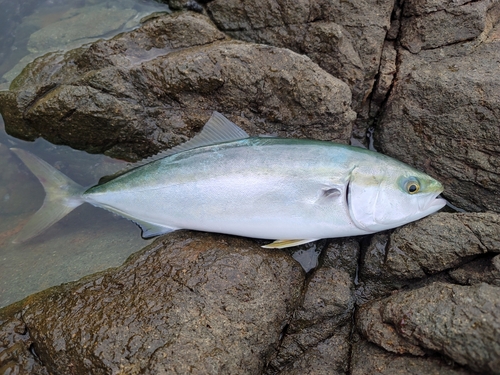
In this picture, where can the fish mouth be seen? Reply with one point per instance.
(433, 203)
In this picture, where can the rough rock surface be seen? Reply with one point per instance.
(461, 322)
(482, 270)
(442, 113)
(369, 359)
(427, 248)
(188, 303)
(342, 37)
(155, 87)
(316, 338)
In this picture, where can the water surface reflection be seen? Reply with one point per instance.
(88, 239)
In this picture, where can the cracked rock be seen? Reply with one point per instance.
(196, 303)
(316, 339)
(341, 37)
(442, 117)
(461, 322)
(156, 86)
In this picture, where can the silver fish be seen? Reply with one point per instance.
(224, 181)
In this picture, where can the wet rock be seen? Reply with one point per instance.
(425, 248)
(15, 345)
(482, 270)
(188, 303)
(368, 359)
(316, 339)
(343, 38)
(155, 87)
(442, 114)
(440, 242)
(461, 322)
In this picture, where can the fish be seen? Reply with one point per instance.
(291, 191)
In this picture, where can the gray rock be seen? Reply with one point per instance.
(15, 345)
(442, 117)
(369, 359)
(155, 87)
(461, 322)
(432, 24)
(188, 303)
(343, 38)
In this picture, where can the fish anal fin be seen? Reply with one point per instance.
(282, 244)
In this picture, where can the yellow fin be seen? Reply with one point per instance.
(281, 244)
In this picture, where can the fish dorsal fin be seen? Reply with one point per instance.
(218, 129)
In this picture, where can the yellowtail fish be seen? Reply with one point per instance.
(293, 191)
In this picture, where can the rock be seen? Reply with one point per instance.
(190, 302)
(368, 359)
(316, 339)
(440, 242)
(425, 248)
(442, 113)
(432, 24)
(342, 38)
(15, 345)
(155, 87)
(482, 270)
(461, 322)
(323, 354)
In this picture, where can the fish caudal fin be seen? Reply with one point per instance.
(62, 195)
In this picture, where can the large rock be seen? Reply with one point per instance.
(342, 37)
(428, 248)
(461, 322)
(190, 303)
(441, 242)
(155, 87)
(443, 109)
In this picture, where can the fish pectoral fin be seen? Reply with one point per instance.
(281, 244)
(329, 193)
(152, 230)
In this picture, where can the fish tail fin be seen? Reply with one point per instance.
(62, 196)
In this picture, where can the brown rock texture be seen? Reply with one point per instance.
(155, 87)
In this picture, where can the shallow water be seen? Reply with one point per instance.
(89, 239)
(32, 28)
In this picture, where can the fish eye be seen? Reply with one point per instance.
(412, 186)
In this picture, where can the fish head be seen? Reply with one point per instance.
(388, 193)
